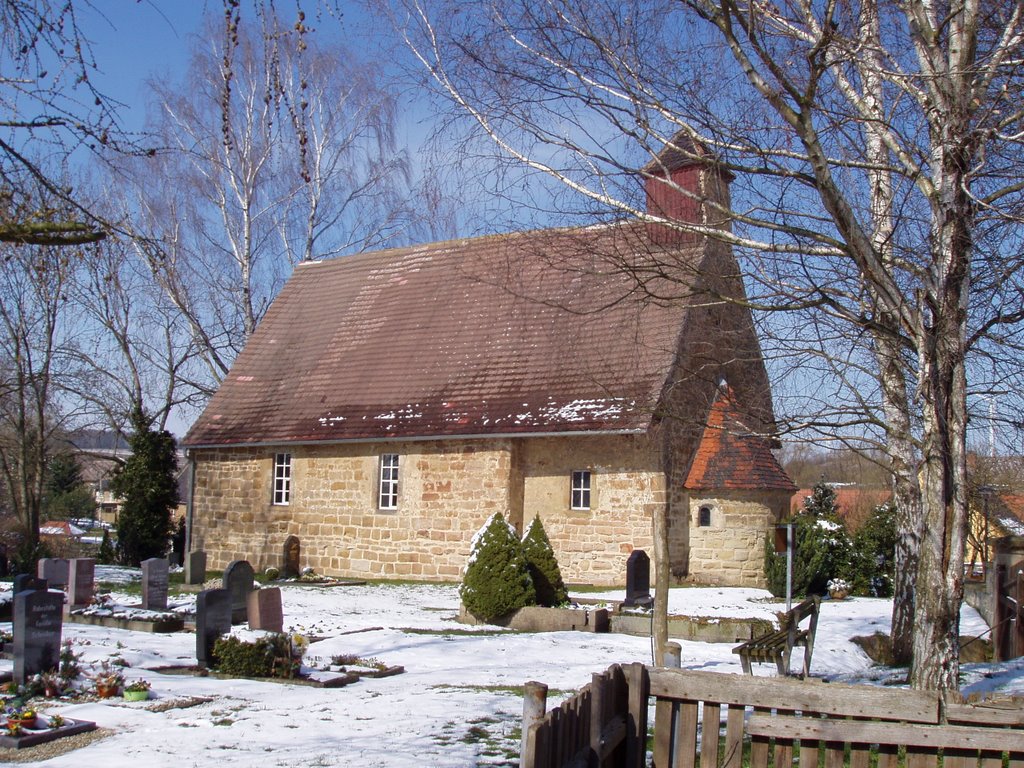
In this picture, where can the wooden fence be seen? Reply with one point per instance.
(712, 720)
(1007, 624)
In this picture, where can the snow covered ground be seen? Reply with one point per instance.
(457, 704)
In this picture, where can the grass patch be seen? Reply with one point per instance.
(455, 632)
(512, 690)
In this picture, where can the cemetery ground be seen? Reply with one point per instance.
(458, 703)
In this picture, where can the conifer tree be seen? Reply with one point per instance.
(497, 579)
(106, 554)
(543, 565)
(147, 485)
(821, 547)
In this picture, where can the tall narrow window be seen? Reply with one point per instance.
(388, 496)
(282, 478)
(580, 489)
(704, 517)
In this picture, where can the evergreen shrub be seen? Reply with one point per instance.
(543, 565)
(822, 548)
(106, 554)
(874, 553)
(268, 656)
(497, 580)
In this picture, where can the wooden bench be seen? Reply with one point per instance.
(778, 646)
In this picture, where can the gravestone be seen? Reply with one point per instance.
(290, 565)
(239, 580)
(4, 571)
(25, 581)
(154, 584)
(213, 619)
(38, 615)
(54, 570)
(195, 568)
(265, 610)
(81, 580)
(638, 579)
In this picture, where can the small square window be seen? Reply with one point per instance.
(387, 497)
(580, 492)
(704, 517)
(282, 478)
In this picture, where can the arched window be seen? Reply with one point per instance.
(704, 517)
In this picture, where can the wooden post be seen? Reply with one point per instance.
(661, 580)
(535, 702)
(1018, 619)
(636, 718)
(1000, 633)
(600, 693)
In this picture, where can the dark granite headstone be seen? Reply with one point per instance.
(265, 610)
(81, 580)
(25, 581)
(638, 579)
(54, 570)
(38, 615)
(195, 568)
(290, 564)
(239, 580)
(4, 569)
(213, 619)
(154, 584)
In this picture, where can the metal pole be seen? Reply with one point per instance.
(789, 567)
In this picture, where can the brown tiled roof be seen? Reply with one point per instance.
(509, 334)
(730, 457)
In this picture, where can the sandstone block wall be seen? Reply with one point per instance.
(447, 490)
(592, 545)
(730, 551)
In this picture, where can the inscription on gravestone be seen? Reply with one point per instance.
(213, 619)
(292, 550)
(638, 579)
(81, 580)
(38, 618)
(54, 570)
(26, 581)
(239, 580)
(265, 610)
(195, 567)
(154, 584)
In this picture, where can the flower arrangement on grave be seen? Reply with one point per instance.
(20, 717)
(107, 681)
(56, 721)
(299, 644)
(137, 690)
(51, 684)
(69, 662)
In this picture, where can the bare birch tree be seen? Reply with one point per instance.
(279, 149)
(876, 150)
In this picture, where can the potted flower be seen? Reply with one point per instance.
(107, 681)
(137, 690)
(56, 721)
(838, 589)
(20, 717)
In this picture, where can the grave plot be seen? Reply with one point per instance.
(151, 616)
(41, 730)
